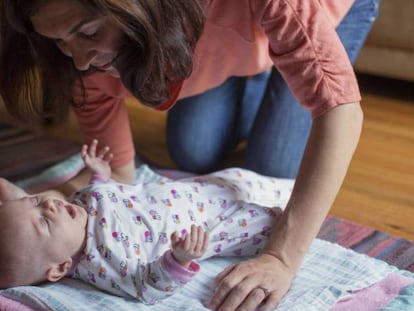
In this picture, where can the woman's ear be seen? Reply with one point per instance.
(58, 271)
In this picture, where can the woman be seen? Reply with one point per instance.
(207, 62)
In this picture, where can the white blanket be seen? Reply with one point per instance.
(329, 273)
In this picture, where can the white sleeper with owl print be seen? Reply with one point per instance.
(127, 249)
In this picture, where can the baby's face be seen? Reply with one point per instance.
(53, 226)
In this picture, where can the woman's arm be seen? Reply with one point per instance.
(332, 142)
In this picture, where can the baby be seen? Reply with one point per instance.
(137, 240)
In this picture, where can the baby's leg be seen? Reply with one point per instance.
(243, 232)
(250, 187)
(9, 191)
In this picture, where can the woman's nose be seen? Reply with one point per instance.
(82, 59)
(82, 53)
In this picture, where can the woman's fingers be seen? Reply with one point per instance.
(226, 283)
(257, 283)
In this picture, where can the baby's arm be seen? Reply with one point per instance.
(193, 246)
(97, 162)
(159, 278)
(9, 191)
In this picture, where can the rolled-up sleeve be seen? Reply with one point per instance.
(306, 49)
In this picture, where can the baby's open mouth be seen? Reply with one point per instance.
(71, 211)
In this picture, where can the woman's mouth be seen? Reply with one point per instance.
(104, 66)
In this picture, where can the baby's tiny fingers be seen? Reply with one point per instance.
(84, 150)
(205, 242)
(104, 151)
(187, 245)
(202, 245)
(92, 148)
(108, 157)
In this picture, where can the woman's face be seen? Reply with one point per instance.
(88, 39)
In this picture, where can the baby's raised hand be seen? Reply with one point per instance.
(192, 246)
(97, 162)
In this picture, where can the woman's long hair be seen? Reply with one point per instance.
(159, 36)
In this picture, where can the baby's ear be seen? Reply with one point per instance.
(58, 271)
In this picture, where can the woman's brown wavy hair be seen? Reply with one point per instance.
(37, 79)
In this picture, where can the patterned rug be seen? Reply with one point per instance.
(389, 248)
(24, 154)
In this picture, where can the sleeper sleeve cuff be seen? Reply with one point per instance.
(98, 179)
(176, 270)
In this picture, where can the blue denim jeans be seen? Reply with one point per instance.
(203, 129)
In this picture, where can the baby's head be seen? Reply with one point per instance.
(39, 236)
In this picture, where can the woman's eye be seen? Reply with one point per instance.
(59, 43)
(89, 35)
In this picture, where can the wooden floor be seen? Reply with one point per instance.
(379, 188)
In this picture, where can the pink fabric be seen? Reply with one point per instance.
(176, 270)
(98, 179)
(375, 297)
(7, 304)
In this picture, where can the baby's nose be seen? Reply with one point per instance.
(51, 205)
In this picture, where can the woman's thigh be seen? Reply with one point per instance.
(280, 131)
(356, 25)
(201, 129)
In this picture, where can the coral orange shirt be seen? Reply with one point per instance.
(104, 116)
(243, 38)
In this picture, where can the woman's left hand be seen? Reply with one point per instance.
(255, 284)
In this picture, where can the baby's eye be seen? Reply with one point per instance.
(35, 201)
(46, 220)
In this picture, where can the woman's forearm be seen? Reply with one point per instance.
(332, 142)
